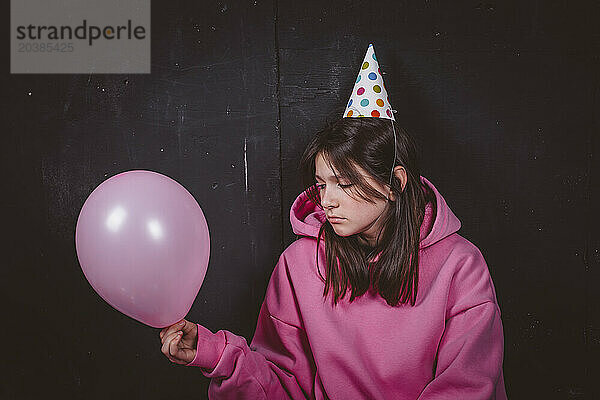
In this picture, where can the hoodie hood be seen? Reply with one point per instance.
(307, 217)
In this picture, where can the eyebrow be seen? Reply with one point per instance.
(338, 178)
(317, 176)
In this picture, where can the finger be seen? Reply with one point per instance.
(190, 331)
(172, 328)
(166, 354)
(173, 355)
(167, 343)
(173, 360)
(163, 333)
(166, 349)
(174, 345)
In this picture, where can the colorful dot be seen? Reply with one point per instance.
(379, 70)
(379, 102)
(374, 58)
(360, 91)
(372, 76)
(350, 113)
(358, 79)
(377, 89)
(364, 102)
(388, 112)
(350, 103)
(374, 113)
(365, 65)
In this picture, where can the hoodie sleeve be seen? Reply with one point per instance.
(277, 365)
(471, 350)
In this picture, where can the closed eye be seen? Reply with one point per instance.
(321, 186)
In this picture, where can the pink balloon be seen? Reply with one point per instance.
(143, 244)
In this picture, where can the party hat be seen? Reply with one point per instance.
(369, 97)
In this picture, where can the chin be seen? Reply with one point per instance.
(341, 231)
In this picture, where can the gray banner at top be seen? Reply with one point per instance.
(80, 36)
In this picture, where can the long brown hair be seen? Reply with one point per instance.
(369, 143)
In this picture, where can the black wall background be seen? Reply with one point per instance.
(502, 96)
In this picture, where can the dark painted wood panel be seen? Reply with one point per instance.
(205, 117)
(502, 98)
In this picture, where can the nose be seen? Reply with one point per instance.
(328, 200)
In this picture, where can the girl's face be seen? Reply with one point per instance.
(357, 215)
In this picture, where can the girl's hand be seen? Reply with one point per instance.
(179, 342)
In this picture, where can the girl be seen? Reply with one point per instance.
(379, 298)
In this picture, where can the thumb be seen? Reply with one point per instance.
(189, 329)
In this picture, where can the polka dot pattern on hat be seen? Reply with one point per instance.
(369, 98)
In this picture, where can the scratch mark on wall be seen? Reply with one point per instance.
(245, 166)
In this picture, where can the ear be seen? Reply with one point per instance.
(400, 174)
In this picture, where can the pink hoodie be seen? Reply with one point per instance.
(449, 345)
